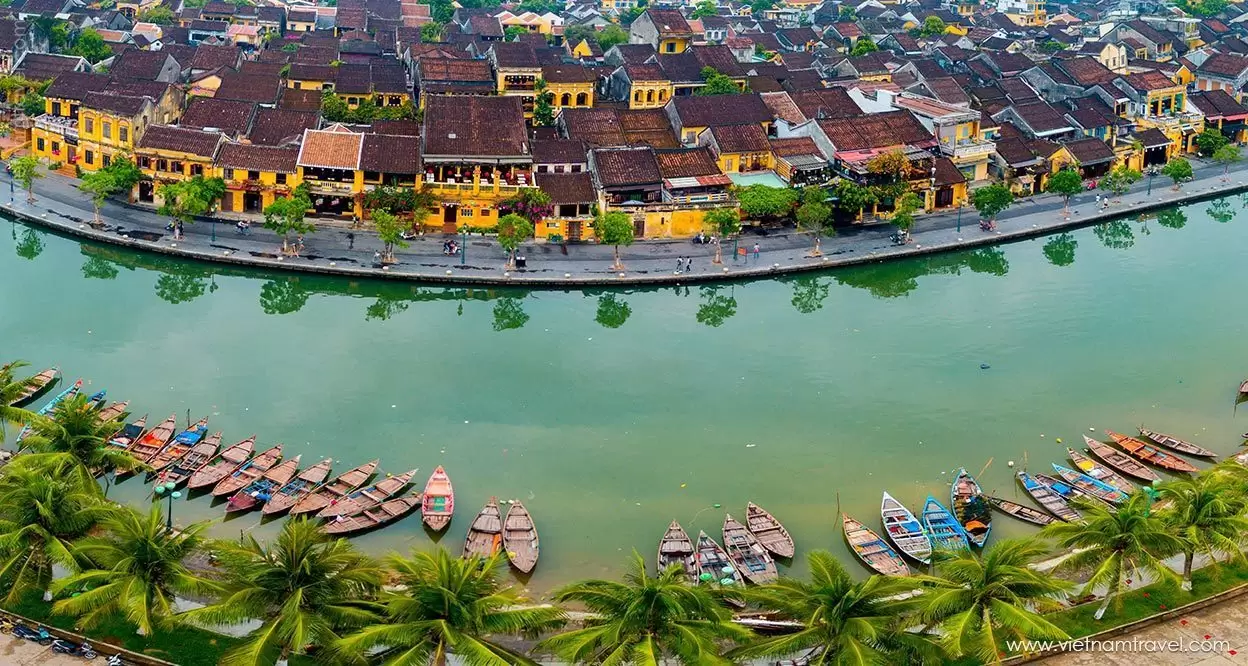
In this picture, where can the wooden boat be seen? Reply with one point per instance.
(219, 467)
(49, 408)
(1045, 497)
(872, 550)
(1120, 461)
(96, 400)
(904, 530)
(1175, 444)
(1067, 491)
(113, 412)
(1243, 392)
(35, 386)
(439, 501)
(769, 532)
(747, 554)
(331, 492)
(676, 548)
(247, 471)
(942, 527)
(180, 470)
(1098, 471)
(261, 489)
(485, 534)
(374, 517)
(1151, 454)
(154, 441)
(367, 498)
(969, 507)
(520, 538)
(183, 443)
(128, 435)
(1020, 511)
(1090, 486)
(713, 563)
(298, 488)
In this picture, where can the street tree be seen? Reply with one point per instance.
(186, 199)
(512, 231)
(990, 201)
(814, 215)
(100, 185)
(726, 222)
(1065, 183)
(390, 230)
(1120, 179)
(287, 216)
(1178, 170)
(25, 171)
(763, 201)
(852, 197)
(903, 212)
(1226, 156)
(1209, 141)
(615, 229)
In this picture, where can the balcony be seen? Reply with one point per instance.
(1183, 122)
(330, 187)
(968, 150)
(66, 127)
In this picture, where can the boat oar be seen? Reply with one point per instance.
(985, 469)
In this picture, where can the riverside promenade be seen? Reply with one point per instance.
(337, 249)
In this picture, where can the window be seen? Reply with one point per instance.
(253, 175)
(56, 147)
(90, 157)
(123, 133)
(281, 179)
(576, 168)
(353, 101)
(175, 166)
(298, 85)
(39, 145)
(197, 169)
(553, 225)
(107, 160)
(670, 47)
(145, 162)
(465, 212)
(106, 130)
(88, 125)
(229, 173)
(161, 165)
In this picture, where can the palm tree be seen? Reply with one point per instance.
(1116, 545)
(75, 434)
(1207, 512)
(305, 589)
(448, 605)
(976, 598)
(645, 621)
(134, 569)
(10, 391)
(44, 508)
(845, 621)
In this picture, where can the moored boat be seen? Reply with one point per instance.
(967, 501)
(129, 434)
(328, 493)
(747, 554)
(769, 532)
(49, 408)
(1120, 461)
(261, 490)
(1175, 444)
(1020, 511)
(1152, 455)
(872, 550)
(373, 517)
(485, 534)
(905, 530)
(1090, 486)
(179, 446)
(297, 488)
(942, 527)
(366, 498)
(713, 563)
(676, 548)
(113, 412)
(520, 538)
(1066, 491)
(1047, 498)
(154, 441)
(96, 400)
(247, 472)
(182, 469)
(439, 501)
(35, 386)
(1098, 471)
(221, 466)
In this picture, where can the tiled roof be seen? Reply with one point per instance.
(568, 188)
(650, 127)
(1148, 32)
(231, 116)
(646, 72)
(826, 103)
(249, 88)
(308, 72)
(783, 107)
(481, 126)
(1085, 71)
(400, 127)
(669, 22)
(947, 90)
(748, 138)
(331, 149)
(353, 79)
(1040, 117)
(515, 55)
(258, 158)
(136, 64)
(273, 127)
(1088, 119)
(559, 151)
(1217, 103)
(875, 130)
(717, 110)
(568, 74)
(633, 53)
(1152, 138)
(1224, 65)
(180, 139)
(598, 126)
(688, 66)
(454, 69)
(687, 163)
(119, 105)
(1090, 151)
(1017, 90)
(1008, 63)
(1150, 80)
(300, 100)
(794, 146)
(259, 67)
(389, 77)
(208, 57)
(393, 154)
(621, 167)
(1014, 151)
(485, 26)
(44, 66)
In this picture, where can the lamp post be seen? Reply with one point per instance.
(463, 245)
(167, 490)
(959, 217)
(1152, 171)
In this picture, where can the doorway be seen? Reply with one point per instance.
(450, 219)
(252, 202)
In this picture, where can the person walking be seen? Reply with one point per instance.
(680, 263)
(756, 249)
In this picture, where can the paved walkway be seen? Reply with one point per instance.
(334, 249)
(17, 652)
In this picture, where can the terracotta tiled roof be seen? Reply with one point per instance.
(273, 127)
(718, 110)
(568, 74)
(249, 88)
(119, 105)
(568, 188)
(391, 154)
(875, 130)
(687, 163)
(76, 85)
(310, 72)
(515, 55)
(454, 70)
(1014, 151)
(597, 127)
(208, 57)
(44, 66)
(1152, 138)
(181, 139)
(1085, 71)
(783, 107)
(1224, 65)
(669, 22)
(232, 116)
(400, 127)
(559, 151)
(258, 158)
(1150, 80)
(1217, 103)
(794, 146)
(947, 90)
(740, 138)
(331, 149)
(136, 64)
(826, 103)
(1090, 151)
(1040, 117)
(622, 167)
(481, 126)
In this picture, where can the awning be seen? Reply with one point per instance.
(697, 181)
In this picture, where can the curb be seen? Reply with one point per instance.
(108, 648)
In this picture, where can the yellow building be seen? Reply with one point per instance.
(664, 29)
(329, 164)
(1157, 102)
(738, 148)
(110, 125)
(301, 20)
(533, 22)
(168, 154)
(644, 86)
(303, 76)
(571, 86)
(255, 176)
(957, 130)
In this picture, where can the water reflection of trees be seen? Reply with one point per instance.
(1221, 211)
(509, 314)
(29, 243)
(894, 279)
(716, 308)
(1173, 218)
(283, 296)
(1060, 249)
(809, 292)
(612, 311)
(1115, 235)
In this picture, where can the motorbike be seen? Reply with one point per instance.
(987, 226)
(39, 635)
(73, 649)
(115, 660)
(6, 625)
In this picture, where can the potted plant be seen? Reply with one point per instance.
(558, 238)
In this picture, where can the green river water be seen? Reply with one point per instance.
(612, 412)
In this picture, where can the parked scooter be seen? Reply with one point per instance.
(73, 649)
(115, 660)
(6, 625)
(38, 634)
(987, 225)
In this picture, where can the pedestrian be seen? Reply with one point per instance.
(756, 249)
(680, 263)
(688, 264)
(376, 256)
(1098, 198)
(350, 241)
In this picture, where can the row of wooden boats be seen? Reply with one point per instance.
(747, 555)
(516, 535)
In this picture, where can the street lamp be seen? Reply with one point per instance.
(959, 217)
(167, 490)
(1152, 171)
(463, 245)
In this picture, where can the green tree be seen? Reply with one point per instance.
(306, 588)
(431, 33)
(32, 104)
(852, 197)
(284, 296)
(726, 222)
(1066, 184)
(1052, 46)
(891, 165)
(903, 212)
(1209, 141)
(978, 600)
(1207, 513)
(763, 201)
(1120, 179)
(509, 314)
(645, 620)
(286, 216)
(125, 172)
(513, 32)
(100, 185)
(512, 231)
(11, 390)
(449, 605)
(25, 172)
(74, 437)
(1177, 169)
(390, 231)
(990, 201)
(613, 311)
(160, 15)
(844, 621)
(614, 229)
(932, 26)
(185, 200)
(91, 45)
(705, 8)
(1060, 249)
(1203, 8)
(543, 105)
(717, 84)
(716, 308)
(610, 36)
(1226, 156)
(813, 215)
(1117, 544)
(862, 47)
(758, 7)
(133, 569)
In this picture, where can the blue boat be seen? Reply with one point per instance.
(47, 409)
(1068, 492)
(1090, 486)
(178, 446)
(97, 399)
(1050, 499)
(942, 527)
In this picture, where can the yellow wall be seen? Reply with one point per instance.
(572, 90)
(650, 94)
(673, 45)
(92, 137)
(582, 49)
(170, 156)
(269, 190)
(308, 84)
(731, 162)
(299, 26)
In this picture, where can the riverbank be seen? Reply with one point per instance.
(336, 250)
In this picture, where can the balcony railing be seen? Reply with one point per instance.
(966, 150)
(330, 187)
(67, 127)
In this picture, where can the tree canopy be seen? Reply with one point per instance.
(990, 201)
(91, 45)
(1178, 169)
(716, 83)
(763, 201)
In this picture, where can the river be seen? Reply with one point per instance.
(612, 412)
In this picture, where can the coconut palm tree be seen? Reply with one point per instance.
(44, 508)
(1207, 512)
(306, 588)
(845, 621)
(135, 569)
(448, 605)
(1117, 544)
(10, 390)
(976, 599)
(74, 434)
(645, 621)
